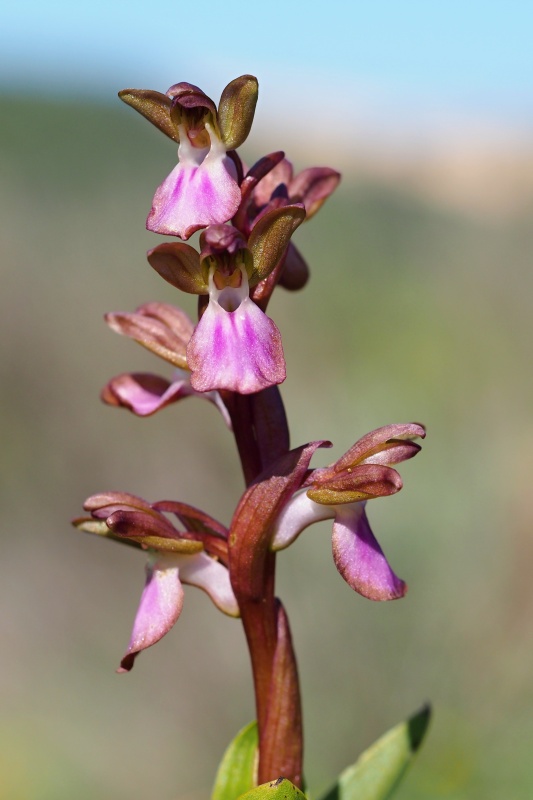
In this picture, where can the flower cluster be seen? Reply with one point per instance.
(233, 357)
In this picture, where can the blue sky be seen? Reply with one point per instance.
(457, 48)
(473, 57)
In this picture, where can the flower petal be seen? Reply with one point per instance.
(210, 575)
(295, 272)
(280, 174)
(159, 609)
(313, 186)
(359, 558)
(196, 195)
(238, 350)
(298, 514)
(144, 393)
(163, 329)
(394, 440)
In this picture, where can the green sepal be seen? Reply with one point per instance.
(329, 497)
(237, 771)
(281, 789)
(362, 482)
(162, 544)
(379, 770)
(98, 527)
(236, 110)
(270, 237)
(154, 106)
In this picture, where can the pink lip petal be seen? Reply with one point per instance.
(144, 393)
(237, 350)
(201, 190)
(204, 572)
(159, 609)
(359, 558)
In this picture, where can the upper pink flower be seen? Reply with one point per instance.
(203, 189)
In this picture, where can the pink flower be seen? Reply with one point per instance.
(340, 492)
(356, 552)
(195, 556)
(162, 597)
(203, 189)
(235, 345)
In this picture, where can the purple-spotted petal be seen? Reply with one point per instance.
(359, 558)
(159, 609)
(201, 190)
(238, 350)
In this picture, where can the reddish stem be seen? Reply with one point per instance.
(261, 435)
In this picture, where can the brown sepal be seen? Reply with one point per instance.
(154, 106)
(199, 526)
(103, 500)
(151, 530)
(390, 444)
(295, 272)
(270, 236)
(179, 264)
(163, 329)
(363, 482)
(312, 187)
(236, 110)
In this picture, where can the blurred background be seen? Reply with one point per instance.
(418, 309)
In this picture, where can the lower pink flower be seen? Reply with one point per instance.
(162, 597)
(356, 552)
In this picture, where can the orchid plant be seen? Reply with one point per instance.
(233, 357)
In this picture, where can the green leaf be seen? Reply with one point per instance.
(236, 773)
(282, 789)
(379, 770)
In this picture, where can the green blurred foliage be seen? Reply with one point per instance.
(413, 313)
